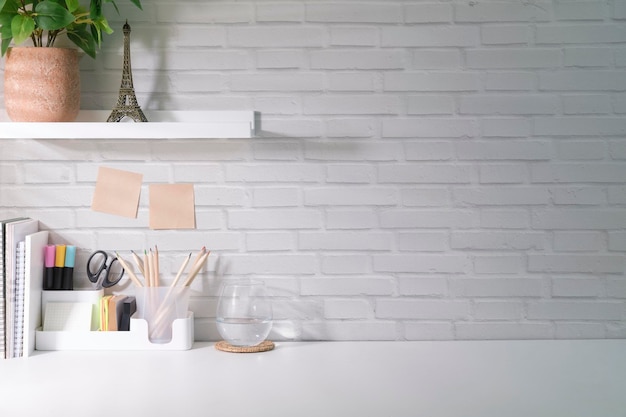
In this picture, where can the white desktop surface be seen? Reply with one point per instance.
(325, 379)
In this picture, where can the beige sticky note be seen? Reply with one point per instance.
(117, 192)
(172, 206)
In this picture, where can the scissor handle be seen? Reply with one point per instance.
(106, 282)
(93, 276)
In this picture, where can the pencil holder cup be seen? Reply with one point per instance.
(160, 306)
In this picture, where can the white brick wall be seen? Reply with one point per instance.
(422, 170)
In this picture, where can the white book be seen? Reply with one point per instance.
(18, 322)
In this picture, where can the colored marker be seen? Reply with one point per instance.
(59, 263)
(68, 270)
(48, 278)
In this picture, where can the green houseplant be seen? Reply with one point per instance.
(42, 83)
(44, 20)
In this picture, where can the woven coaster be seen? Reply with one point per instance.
(227, 347)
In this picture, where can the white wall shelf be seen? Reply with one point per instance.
(91, 124)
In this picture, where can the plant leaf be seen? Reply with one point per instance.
(95, 9)
(83, 39)
(52, 16)
(5, 45)
(2, 2)
(21, 27)
(137, 3)
(72, 5)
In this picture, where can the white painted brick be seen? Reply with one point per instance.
(581, 219)
(431, 36)
(276, 151)
(617, 241)
(428, 13)
(503, 173)
(351, 104)
(574, 241)
(203, 151)
(510, 81)
(580, 10)
(425, 59)
(277, 106)
(429, 128)
(341, 286)
(578, 172)
(347, 309)
(617, 150)
(349, 330)
(497, 287)
(277, 82)
(274, 219)
(351, 219)
(354, 36)
(429, 151)
(280, 59)
(509, 34)
(503, 331)
(430, 174)
(191, 12)
(197, 173)
(580, 330)
(276, 36)
(430, 105)
(194, 35)
(587, 57)
(279, 12)
(423, 286)
(427, 81)
(578, 196)
(343, 240)
(495, 240)
(48, 196)
(428, 218)
(273, 173)
(501, 195)
(398, 308)
(511, 149)
(509, 104)
(429, 263)
(352, 81)
(586, 104)
(575, 310)
(493, 11)
(352, 173)
(342, 196)
(576, 263)
(581, 33)
(280, 264)
(352, 128)
(582, 80)
(498, 310)
(270, 241)
(219, 196)
(513, 58)
(47, 173)
(346, 59)
(424, 330)
(276, 197)
(505, 127)
(8, 174)
(345, 264)
(617, 195)
(619, 10)
(293, 127)
(432, 241)
(425, 197)
(505, 218)
(340, 151)
(578, 287)
(498, 264)
(353, 13)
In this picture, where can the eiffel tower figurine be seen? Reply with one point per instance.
(127, 105)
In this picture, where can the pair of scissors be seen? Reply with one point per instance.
(103, 273)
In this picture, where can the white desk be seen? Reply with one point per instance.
(325, 379)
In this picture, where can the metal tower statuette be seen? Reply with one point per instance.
(127, 105)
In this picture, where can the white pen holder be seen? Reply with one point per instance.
(159, 307)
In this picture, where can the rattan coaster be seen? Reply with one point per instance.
(227, 347)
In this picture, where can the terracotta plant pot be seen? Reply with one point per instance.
(42, 84)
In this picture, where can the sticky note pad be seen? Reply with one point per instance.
(67, 317)
(117, 192)
(172, 206)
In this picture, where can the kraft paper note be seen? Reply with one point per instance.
(172, 206)
(117, 192)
